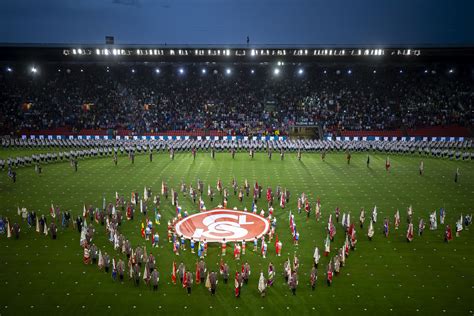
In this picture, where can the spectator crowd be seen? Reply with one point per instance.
(235, 99)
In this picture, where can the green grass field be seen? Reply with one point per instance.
(384, 276)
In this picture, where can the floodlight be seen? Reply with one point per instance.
(300, 71)
(276, 71)
(228, 71)
(34, 70)
(204, 71)
(157, 70)
(181, 71)
(9, 69)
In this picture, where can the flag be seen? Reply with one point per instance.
(276, 240)
(9, 232)
(262, 285)
(37, 225)
(208, 282)
(103, 203)
(142, 230)
(19, 212)
(327, 246)
(82, 239)
(185, 279)
(52, 211)
(162, 188)
(236, 284)
(116, 195)
(173, 273)
(410, 232)
(221, 268)
(141, 206)
(100, 263)
(84, 211)
(45, 231)
(145, 274)
(198, 274)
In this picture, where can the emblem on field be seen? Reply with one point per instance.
(214, 225)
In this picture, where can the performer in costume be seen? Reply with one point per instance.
(223, 247)
(271, 274)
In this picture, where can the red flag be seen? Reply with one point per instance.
(237, 285)
(173, 273)
(185, 279)
(222, 266)
(198, 274)
(276, 240)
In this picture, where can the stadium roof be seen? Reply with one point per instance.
(230, 53)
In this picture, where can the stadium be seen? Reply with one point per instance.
(236, 179)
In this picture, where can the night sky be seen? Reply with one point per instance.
(358, 22)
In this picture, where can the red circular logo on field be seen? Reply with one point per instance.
(215, 225)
